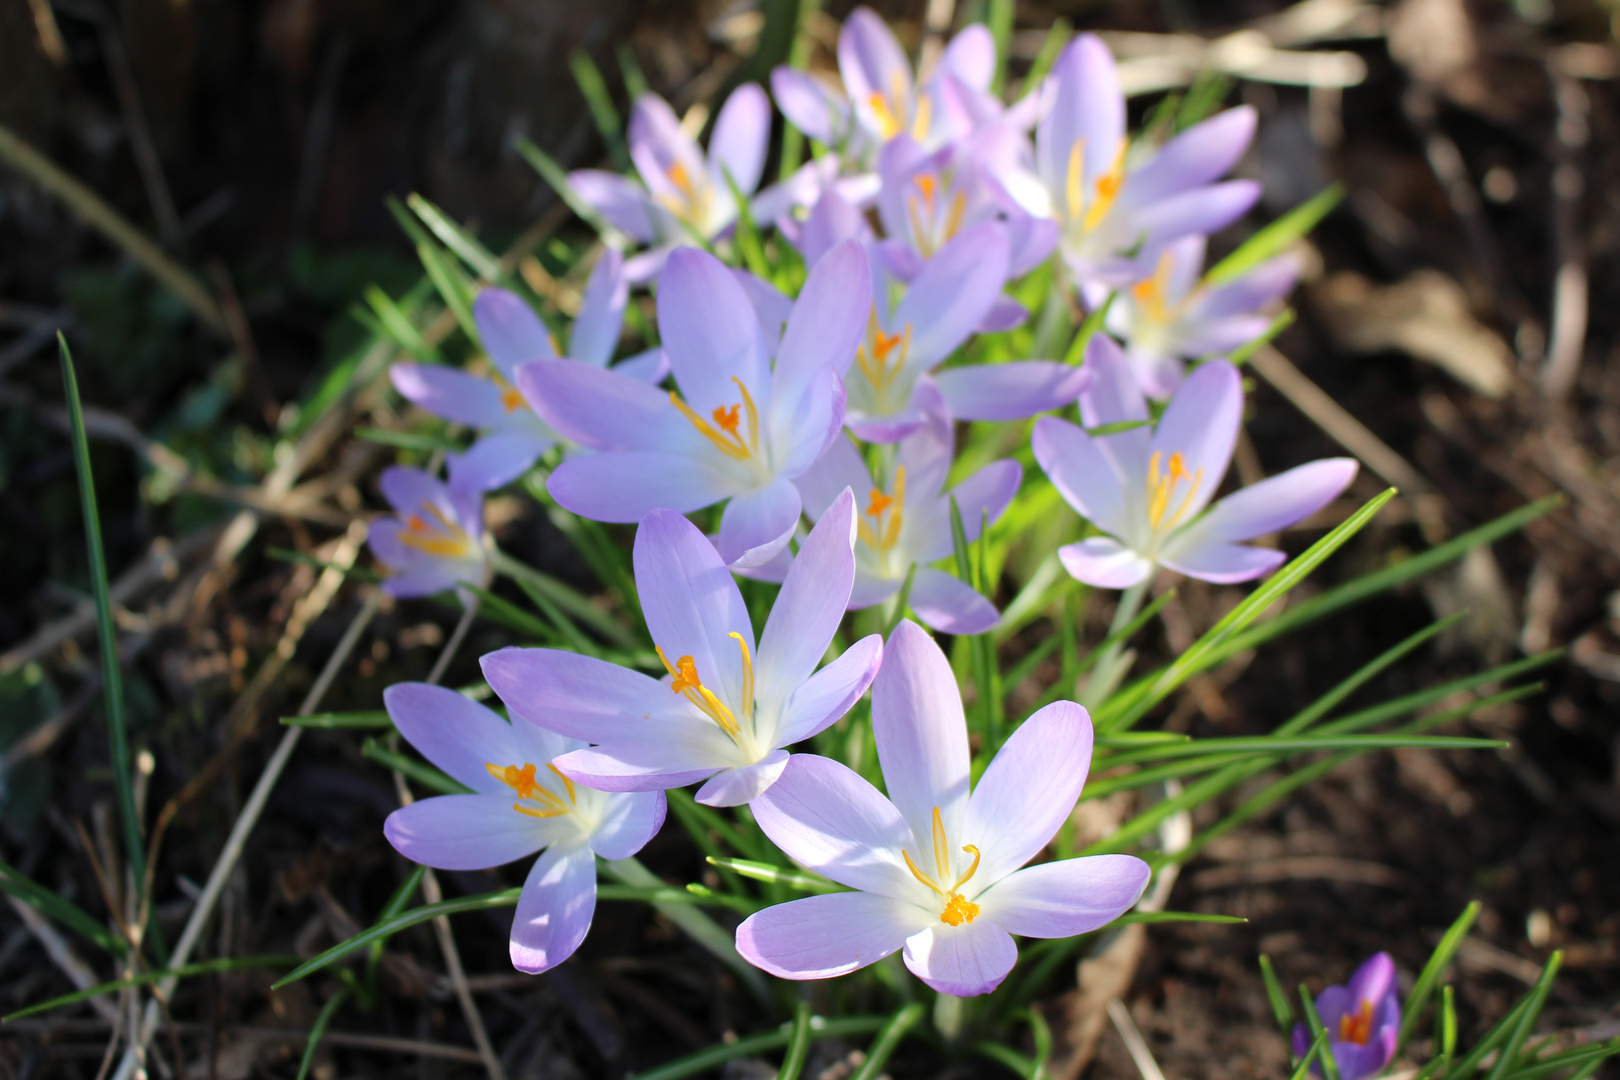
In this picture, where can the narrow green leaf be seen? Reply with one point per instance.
(1533, 1006)
(483, 261)
(669, 894)
(1280, 1008)
(1008, 1057)
(387, 928)
(1330, 1068)
(407, 440)
(396, 904)
(1056, 38)
(112, 673)
(53, 906)
(207, 967)
(421, 772)
(1271, 744)
(1089, 326)
(369, 720)
(1317, 1050)
(1280, 322)
(888, 1039)
(715, 1056)
(398, 325)
(1418, 1000)
(452, 287)
(1150, 917)
(1276, 237)
(600, 102)
(758, 871)
(317, 1030)
(1000, 19)
(798, 1047)
(568, 599)
(635, 82)
(1117, 427)
(901, 599)
(554, 175)
(1448, 1021)
(510, 615)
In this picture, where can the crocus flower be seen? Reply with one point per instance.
(683, 193)
(936, 869)
(729, 709)
(1148, 489)
(520, 804)
(906, 521)
(512, 436)
(1362, 1020)
(1115, 212)
(739, 427)
(436, 538)
(1173, 316)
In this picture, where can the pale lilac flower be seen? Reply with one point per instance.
(1363, 1021)
(511, 435)
(905, 521)
(1148, 489)
(908, 338)
(436, 540)
(1116, 210)
(520, 804)
(728, 710)
(936, 869)
(683, 195)
(738, 428)
(1173, 316)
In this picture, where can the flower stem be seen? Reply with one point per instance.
(1111, 666)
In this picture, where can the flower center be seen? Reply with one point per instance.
(1162, 485)
(881, 534)
(926, 230)
(529, 789)
(724, 432)
(511, 399)
(1150, 293)
(687, 684)
(882, 356)
(1357, 1027)
(442, 538)
(958, 909)
(1090, 213)
(691, 205)
(890, 109)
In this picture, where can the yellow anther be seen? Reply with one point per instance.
(748, 670)
(928, 184)
(573, 793)
(1108, 187)
(1162, 484)
(1357, 1027)
(1074, 180)
(530, 811)
(922, 119)
(958, 909)
(686, 676)
(942, 851)
(1151, 292)
(879, 534)
(444, 539)
(511, 398)
(725, 433)
(686, 683)
(677, 176)
(524, 784)
(954, 222)
(887, 355)
(888, 123)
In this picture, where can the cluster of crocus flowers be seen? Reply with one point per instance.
(1362, 1020)
(1151, 489)
(435, 539)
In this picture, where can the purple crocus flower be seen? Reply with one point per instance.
(739, 427)
(512, 436)
(729, 709)
(1148, 489)
(906, 522)
(1173, 316)
(683, 193)
(520, 804)
(436, 538)
(1115, 213)
(1363, 1020)
(936, 869)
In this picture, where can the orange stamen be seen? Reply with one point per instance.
(1357, 1027)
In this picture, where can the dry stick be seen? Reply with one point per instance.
(457, 636)
(16, 152)
(226, 863)
(1135, 1045)
(140, 136)
(1353, 435)
(1568, 338)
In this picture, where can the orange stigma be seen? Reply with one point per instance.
(524, 784)
(880, 502)
(958, 908)
(881, 535)
(727, 417)
(726, 432)
(1356, 1027)
(1162, 484)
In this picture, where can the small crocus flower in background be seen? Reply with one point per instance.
(436, 540)
(1148, 489)
(729, 708)
(1173, 316)
(936, 869)
(739, 427)
(1116, 210)
(684, 194)
(1362, 1020)
(511, 435)
(520, 804)
(903, 520)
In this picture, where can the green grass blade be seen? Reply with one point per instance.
(452, 287)
(798, 1047)
(1423, 989)
(483, 261)
(1282, 321)
(600, 101)
(421, 772)
(775, 875)
(1000, 19)
(1056, 38)
(207, 967)
(317, 1030)
(1330, 1068)
(715, 1056)
(112, 677)
(1150, 917)
(1270, 744)
(397, 325)
(1089, 326)
(555, 175)
(568, 599)
(669, 894)
(341, 721)
(396, 904)
(1533, 1006)
(1280, 1008)
(877, 1055)
(1362, 675)
(407, 440)
(1317, 1049)
(1276, 237)
(48, 903)
(1007, 1057)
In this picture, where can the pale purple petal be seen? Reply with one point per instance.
(1085, 103)
(953, 293)
(1202, 210)
(971, 56)
(709, 330)
(871, 62)
(812, 107)
(427, 579)
(580, 697)
(1103, 562)
(758, 524)
(810, 606)
(804, 426)
(828, 319)
(1029, 789)
(920, 730)
(691, 602)
(685, 757)
(826, 696)
(458, 735)
(383, 536)
(624, 486)
(1277, 502)
(743, 784)
(1065, 898)
(985, 495)
(770, 307)
(1201, 424)
(511, 332)
(451, 394)
(1005, 314)
(839, 467)
(825, 816)
(628, 822)
(647, 265)
(1012, 391)
(1030, 240)
(1262, 285)
(408, 490)
(648, 367)
(1113, 396)
(820, 937)
(741, 133)
(467, 832)
(949, 604)
(1224, 564)
(497, 459)
(1202, 153)
(620, 200)
(1373, 980)
(832, 220)
(601, 311)
(554, 909)
(658, 145)
(605, 410)
(963, 961)
(1082, 473)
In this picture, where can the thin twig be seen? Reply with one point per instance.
(1567, 340)
(64, 957)
(457, 636)
(140, 135)
(1135, 1045)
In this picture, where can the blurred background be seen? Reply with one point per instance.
(197, 193)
